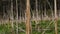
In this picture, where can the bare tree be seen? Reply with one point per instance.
(28, 17)
(36, 8)
(55, 9)
(11, 16)
(45, 8)
(16, 17)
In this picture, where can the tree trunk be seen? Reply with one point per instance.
(55, 9)
(16, 17)
(28, 17)
(36, 8)
(45, 9)
(11, 16)
(20, 10)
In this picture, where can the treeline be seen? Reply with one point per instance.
(38, 8)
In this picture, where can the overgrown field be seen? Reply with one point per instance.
(47, 26)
